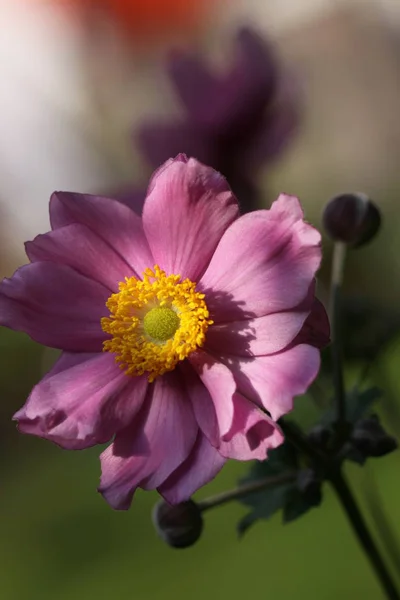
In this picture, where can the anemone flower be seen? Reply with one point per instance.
(186, 332)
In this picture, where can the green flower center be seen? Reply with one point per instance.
(161, 323)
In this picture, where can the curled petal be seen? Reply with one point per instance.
(253, 433)
(316, 329)
(82, 401)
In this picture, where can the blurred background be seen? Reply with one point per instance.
(93, 93)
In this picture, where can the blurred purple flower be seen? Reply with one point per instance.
(235, 122)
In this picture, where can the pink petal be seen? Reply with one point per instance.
(157, 442)
(55, 306)
(288, 208)
(78, 247)
(253, 433)
(264, 263)
(273, 381)
(201, 466)
(316, 329)
(110, 219)
(221, 386)
(202, 403)
(254, 337)
(83, 401)
(187, 210)
(66, 360)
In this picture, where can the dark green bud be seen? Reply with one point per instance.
(179, 526)
(320, 436)
(351, 218)
(309, 484)
(370, 439)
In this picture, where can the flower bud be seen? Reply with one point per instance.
(351, 218)
(309, 484)
(179, 526)
(320, 436)
(371, 439)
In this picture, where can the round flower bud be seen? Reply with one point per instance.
(179, 526)
(351, 218)
(309, 484)
(371, 439)
(320, 436)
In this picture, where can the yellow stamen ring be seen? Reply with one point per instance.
(155, 322)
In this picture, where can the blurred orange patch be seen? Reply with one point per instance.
(145, 17)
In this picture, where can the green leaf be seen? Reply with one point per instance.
(294, 497)
(359, 403)
(298, 503)
(267, 501)
(280, 460)
(265, 504)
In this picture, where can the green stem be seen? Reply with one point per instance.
(339, 255)
(244, 490)
(360, 528)
(382, 523)
(333, 473)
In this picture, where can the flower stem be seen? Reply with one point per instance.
(339, 255)
(333, 473)
(244, 490)
(364, 537)
(382, 523)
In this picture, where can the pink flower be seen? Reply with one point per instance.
(179, 329)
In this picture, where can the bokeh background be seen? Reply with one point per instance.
(78, 78)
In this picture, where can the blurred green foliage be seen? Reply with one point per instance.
(60, 540)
